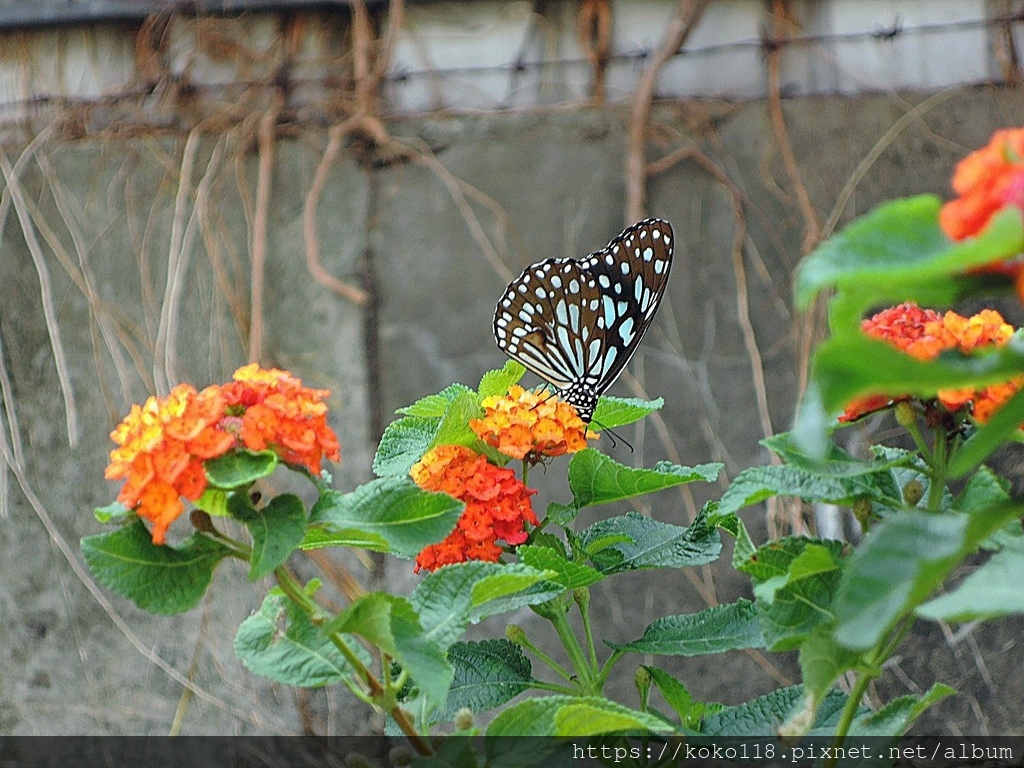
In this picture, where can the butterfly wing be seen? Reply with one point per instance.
(575, 323)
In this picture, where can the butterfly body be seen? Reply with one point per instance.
(576, 322)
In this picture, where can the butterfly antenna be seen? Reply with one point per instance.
(615, 436)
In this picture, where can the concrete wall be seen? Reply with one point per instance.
(104, 216)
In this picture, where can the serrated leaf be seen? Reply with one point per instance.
(899, 714)
(570, 575)
(900, 563)
(898, 247)
(992, 590)
(434, 406)
(448, 599)
(403, 444)
(276, 529)
(454, 426)
(486, 675)
(571, 716)
(496, 383)
(678, 697)
(159, 579)
(612, 412)
(281, 643)
(754, 485)
(395, 509)
(836, 462)
(634, 541)
(239, 467)
(795, 581)
(762, 716)
(598, 479)
(713, 630)
(561, 514)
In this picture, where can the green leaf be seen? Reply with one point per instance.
(214, 502)
(899, 246)
(453, 596)
(403, 444)
(571, 716)
(984, 489)
(597, 479)
(423, 657)
(281, 643)
(634, 541)
(992, 590)
(159, 579)
(763, 716)
(454, 427)
(391, 624)
(318, 538)
(113, 513)
(239, 468)
(395, 509)
(612, 412)
(897, 716)
(713, 630)
(901, 562)
(823, 661)
(846, 367)
(795, 581)
(989, 437)
(756, 484)
(496, 383)
(487, 674)
(837, 463)
(569, 574)
(679, 698)
(277, 529)
(434, 406)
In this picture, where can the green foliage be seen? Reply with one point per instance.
(843, 608)
(713, 630)
(158, 579)
(281, 643)
(486, 675)
(388, 514)
(634, 541)
(239, 468)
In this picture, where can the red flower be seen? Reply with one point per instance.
(988, 180)
(497, 506)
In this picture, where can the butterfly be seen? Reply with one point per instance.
(576, 322)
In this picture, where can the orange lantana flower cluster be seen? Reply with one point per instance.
(988, 180)
(497, 505)
(923, 334)
(162, 445)
(525, 424)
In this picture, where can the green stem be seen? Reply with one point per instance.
(584, 671)
(940, 466)
(606, 670)
(557, 668)
(588, 632)
(377, 693)
(915, 432)
(554, 688)
(860, 686)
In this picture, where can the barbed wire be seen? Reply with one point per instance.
(330, 83)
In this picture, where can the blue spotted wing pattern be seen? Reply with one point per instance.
(576, 322)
